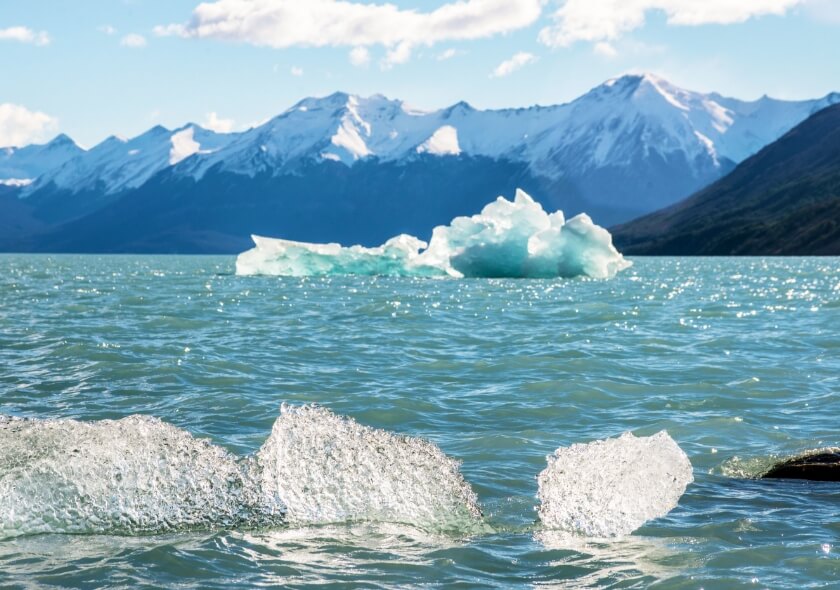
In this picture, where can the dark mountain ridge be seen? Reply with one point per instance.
(785, 200)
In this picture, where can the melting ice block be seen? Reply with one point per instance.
(142, 475)
(324, 468)
(610, 488)
(507, 239)
(135, 475)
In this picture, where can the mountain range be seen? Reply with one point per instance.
(359, 170)
(785, 200)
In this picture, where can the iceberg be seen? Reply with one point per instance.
(610, 488)
(508, 239)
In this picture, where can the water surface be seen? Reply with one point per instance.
(739, 359)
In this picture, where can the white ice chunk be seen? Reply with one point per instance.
(141, 475)
(610, 488)
(507, 239)
(326, 468)
(126, 476)
(296, 259)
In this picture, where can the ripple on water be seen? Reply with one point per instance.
(497, 373)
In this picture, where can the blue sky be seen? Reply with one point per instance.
(101, 67)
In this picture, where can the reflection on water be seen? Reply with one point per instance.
(612, 561)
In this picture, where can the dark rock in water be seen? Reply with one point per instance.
(822, 466)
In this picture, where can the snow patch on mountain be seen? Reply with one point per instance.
(16, 182)
(183, 146)
(443, 142)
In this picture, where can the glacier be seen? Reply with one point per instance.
(510, 239)
(610, 488)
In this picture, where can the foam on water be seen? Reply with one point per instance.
(135, 475)
(610, 488)
(515, 239)
(326, 468)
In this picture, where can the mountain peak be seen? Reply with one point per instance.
(461, 105)
(62, 139)
(632, 83)
(156, 130)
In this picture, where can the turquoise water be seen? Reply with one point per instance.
(739, 359)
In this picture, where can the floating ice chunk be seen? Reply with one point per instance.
(610, 488)
(507, 239)
(141, 475)
(135, 475)
(287, 258)
(519, 239)
(326, 468)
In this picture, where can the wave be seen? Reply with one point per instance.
(515, 239)
(610, 488)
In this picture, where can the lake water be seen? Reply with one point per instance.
(739, 359)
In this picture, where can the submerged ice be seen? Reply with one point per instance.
(610, 488)
(516, 239)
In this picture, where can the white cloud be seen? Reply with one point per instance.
(605, 49)
(19, 126)
(359, 56)
(517, 62)
(606, 20)
(296, 71)
(107, 29)
(399, 54)
(133, 40)
(447, 54)
(25, 35)
(352, 23)
(215, 123)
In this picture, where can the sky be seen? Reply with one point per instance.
(118, 67)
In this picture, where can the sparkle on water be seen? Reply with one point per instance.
(739, 360)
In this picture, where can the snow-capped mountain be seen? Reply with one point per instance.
(373, 167)
(606, 127)
(631, 122)
(118, 164)
(21, 166)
